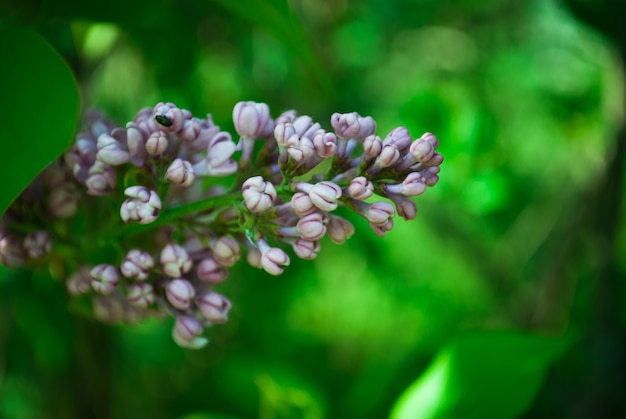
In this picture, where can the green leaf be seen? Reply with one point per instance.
(38, 106)
(481, 375)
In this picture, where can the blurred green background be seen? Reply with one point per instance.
(504, 298)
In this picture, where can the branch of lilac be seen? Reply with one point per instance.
(150, 192)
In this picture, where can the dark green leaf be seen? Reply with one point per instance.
(39, 109)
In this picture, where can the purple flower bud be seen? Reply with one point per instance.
(104, 278)
(379, 213)
(209, 271)
(286, 117)
(339, 229)
(431, 175)
(110, 151)
(101, 179)
(360, 188)
(142, 205)
(168, 117)
(300, 149)
(136, 265)
(302, 124)
(179, 292)
(405, 207)
(214, 307)
(175, 260)
(351, 125)
(306, 249)
(156, 143)
(325, 144)
(191, 129)
(218, 161)
(254, 257)
(135, 140)
(388, 156)
(186, 333)
(421, 150)
(108, 309)
(324, 195)
(382, 229)
(80, 282)
(181, 173)
(140, 294)
(302, 204)
(258, 196)
(63, 200)
(37, 244)
(251, 119)
(428, 137)
(413, 185)
(272, 258)
(11, 252)
(282, 132)
(399, 137)
(226, 251)
(311, 227)
(372, 146)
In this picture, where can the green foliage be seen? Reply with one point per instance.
(39, 108)
(481, 375)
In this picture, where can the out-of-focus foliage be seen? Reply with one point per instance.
(523, 232)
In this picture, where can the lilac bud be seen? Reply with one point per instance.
(11, 252)
(214, 307)
(302, 124)
(140, 294)
(142, 205)
(300, 148)
(286, 117)
(430, 138)
(421, 150)
(302, 204)
(175, 260)
(405, 207)
(306, 249)
(110, 151)
(226, 251)
(101, 179)
(80, 282)
(382, 229)
(272, 258)
(379, 213)
(136, 265)
(168, 117)
(37, 244)
(325, 144)
(108, 309)
(157, 143)
(372, 146)
(179, 292)
(325, 195)
(181, 173)
(282, 132)
(431, 175)
(413, 185)
(399, 137)
(105, 278)
(186, 333)
(251, 119)
(209, 271)
(218, 161)
(360, 188)
(191, 130)
(253, 256)
(389, 155)
(345, 125)
(311, 227)
(435, 160)
(339, 229)
(135, 141)
(258, 196)
(63, 201)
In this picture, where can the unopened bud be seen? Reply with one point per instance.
(105, 278)
(181, 173)
(251, 119)
(186, 333)
(137, 264)
(258, 196)
(226, 251)
(37, 244)
(360, 188)
(175, 260)
(140, 294)
(179, 292)
(157, 143)
(143, 205)
(214, 307)
(211, 272)
(306, 249)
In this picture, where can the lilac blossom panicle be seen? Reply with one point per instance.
(177, 234)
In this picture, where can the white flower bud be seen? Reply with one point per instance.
(137, 264)
(156, 143)
(306, 249)
(105, 278)
(258, 196)
(175, 260)
(181, 173)
(226, 251)
(140, 294)
(360, 188)
(179, 293)
(186, 333)
(110, 151)
(251, 119)
(214, 307)
(143, 205)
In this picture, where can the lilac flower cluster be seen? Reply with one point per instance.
(176, 230)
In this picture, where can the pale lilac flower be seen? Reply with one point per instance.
(351, 125)
(324, 195)
(186, 333)
(302, 204)
(110, 151)
(306, 249)
(213, 307)
(339, 229)
(104, 278)
(258, 196)
(79, 282)
(180, 172)
(37, 244)
(175, 260)
(372, 146)
(398, 137)
(157, 143)
(211, 272)
(325, 144)
(272, 258)
(101, 179)
(360, 188)
(137, 264)
(179, 292)
(251, 119)
(414, 184)
(63, 200)
(226, 251)
(169, 117)
(311, 227)
(142, 205)
(382, 229)
(108, 309)
(140, 294)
